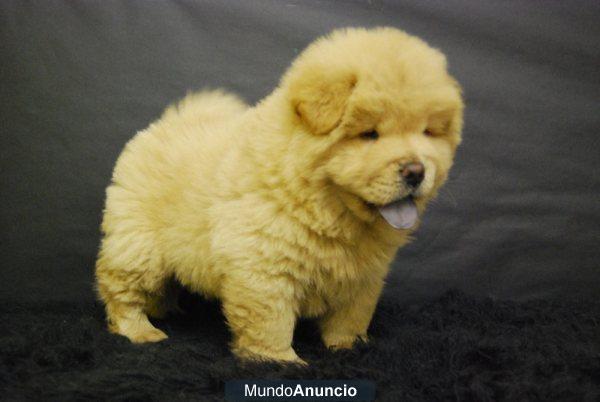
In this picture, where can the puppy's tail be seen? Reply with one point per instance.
(205, 106)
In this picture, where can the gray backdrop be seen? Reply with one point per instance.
(518, 219)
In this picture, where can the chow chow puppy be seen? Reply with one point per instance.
(292, 208)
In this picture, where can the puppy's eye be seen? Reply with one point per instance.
(428, 132)
(370, 135)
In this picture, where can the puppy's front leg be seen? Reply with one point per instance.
(261, 312)
(344, 324)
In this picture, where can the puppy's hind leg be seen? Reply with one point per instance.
(128, 294)
(129, 320)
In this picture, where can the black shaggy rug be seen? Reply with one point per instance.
(454, 348)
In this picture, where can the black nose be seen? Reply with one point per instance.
(413, 174)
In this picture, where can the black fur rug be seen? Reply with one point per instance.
(454, 348)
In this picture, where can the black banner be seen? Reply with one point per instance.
(299, 390)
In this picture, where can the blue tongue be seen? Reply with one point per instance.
(400, 214)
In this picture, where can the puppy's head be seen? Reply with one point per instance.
(389, 111)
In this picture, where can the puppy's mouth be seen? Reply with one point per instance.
(400, 214)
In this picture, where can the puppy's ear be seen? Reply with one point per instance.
(319, 95)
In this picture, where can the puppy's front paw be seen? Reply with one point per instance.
(263, 355)
(342, 341)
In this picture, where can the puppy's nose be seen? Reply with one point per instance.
(413, 174)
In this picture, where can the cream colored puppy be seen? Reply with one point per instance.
(292, 208)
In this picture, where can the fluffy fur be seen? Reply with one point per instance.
(272, 208)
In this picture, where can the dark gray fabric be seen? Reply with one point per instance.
(518, 219)
(453, 348)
